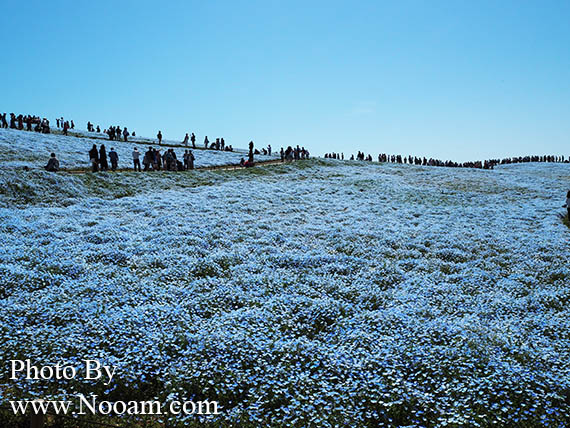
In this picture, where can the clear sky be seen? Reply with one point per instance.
(451, 79)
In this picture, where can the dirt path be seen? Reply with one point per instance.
(202, 168)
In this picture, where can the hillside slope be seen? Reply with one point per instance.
(320, 293)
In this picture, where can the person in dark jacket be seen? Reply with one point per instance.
(193, 140)
(159, 137)
(157, 160)
(170, 160)
(250, 154)
(125, 133)
(103, 158)
(114, 158)
(53, 164)
(94, 158)
(568, 203)
(147, 159)
(191, 160)
(186, 159)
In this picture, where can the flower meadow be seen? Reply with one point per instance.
(315, 294)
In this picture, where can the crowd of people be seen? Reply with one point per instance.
(414, 160)
(115, 132)
(33, 123)
(153, 160)
(65, 125)
(219, 144)
(291, 153)
(118, 133)
(99, 161)
(524, 159)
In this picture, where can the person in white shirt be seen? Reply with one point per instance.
(136, 160)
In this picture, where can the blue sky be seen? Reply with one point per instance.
(455, 79)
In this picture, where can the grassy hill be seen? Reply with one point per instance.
(321, 293)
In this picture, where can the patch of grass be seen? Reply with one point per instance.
(566, 221)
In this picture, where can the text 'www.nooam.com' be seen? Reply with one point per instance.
(90, 405)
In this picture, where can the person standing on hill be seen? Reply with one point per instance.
(136, 160)
(206, 142)
(169, 160)
(191, 160)
(250, 154)
(568, 204)
(156, 160)
(147, 159)
(103, 158)
(193, 140)
(65, 128)
(186, 139)
(53, 164)
(185, 158)
(114, 158)
(94, 158)
(4, 123)
(159, 137)
(125, 133)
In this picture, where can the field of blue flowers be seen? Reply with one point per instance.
(321, 293)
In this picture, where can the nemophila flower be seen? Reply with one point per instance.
(295, 298)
